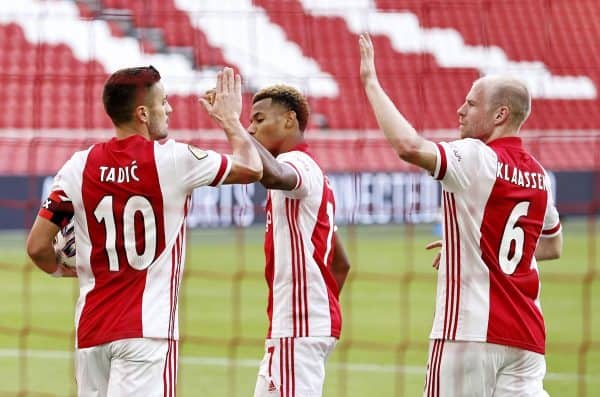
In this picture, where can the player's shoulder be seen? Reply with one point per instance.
(468, 150)
(301, 160)
(469, 144)
(80, 157)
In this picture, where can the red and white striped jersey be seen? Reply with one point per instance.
(130, 200)
(303, 295)
(496, 204)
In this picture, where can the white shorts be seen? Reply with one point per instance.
(478, 369)
(294, 367)
(128, 368)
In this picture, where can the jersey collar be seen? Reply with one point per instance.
(301, 147)
(509, 141)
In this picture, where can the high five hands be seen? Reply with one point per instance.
(367, 59)
(225, 100)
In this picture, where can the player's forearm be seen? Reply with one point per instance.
(340, 265)
(340, 276)
(275, 175)
(243, 149)
(43, 256)
(397, 130)
(549, 248)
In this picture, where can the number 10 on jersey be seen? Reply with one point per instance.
(105, 214)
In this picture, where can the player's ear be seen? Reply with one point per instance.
(141, 114)
(501, 115)
(290, 119)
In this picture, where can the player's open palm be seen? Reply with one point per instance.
(367, 58)
(436, 260)
(225, 101)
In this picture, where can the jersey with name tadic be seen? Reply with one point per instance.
(130, 200)
(496, 203)
(303, 295)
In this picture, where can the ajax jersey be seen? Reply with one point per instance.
(303, 295)
(130, 200)
(496, 204)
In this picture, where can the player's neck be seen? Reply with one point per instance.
(291, 143)
(126, 130)
(501, 133)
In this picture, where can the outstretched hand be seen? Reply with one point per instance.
(225, 100)
(367, 58)
(436, 259)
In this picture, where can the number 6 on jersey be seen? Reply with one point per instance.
(513, 233)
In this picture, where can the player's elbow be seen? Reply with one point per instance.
(250, 174)
(341, 267)
(408, 150)
(255, 173)
(35, 248)
(554, 252)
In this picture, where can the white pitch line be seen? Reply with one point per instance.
(249, 363)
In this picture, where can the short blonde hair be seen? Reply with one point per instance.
(510, 92)
(288, 97)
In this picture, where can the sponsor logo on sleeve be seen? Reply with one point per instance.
(198, 153)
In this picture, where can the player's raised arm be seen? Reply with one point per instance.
(402, 136)
(225, 107)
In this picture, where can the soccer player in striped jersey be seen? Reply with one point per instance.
(306, 265)
(130, 198)
(488, 336)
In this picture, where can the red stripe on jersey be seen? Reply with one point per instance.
(299, 181)
(443, 162)
(168, 372)
(287, 366)
(432, 382)
(299, 289)
(297, 240)
(293, 367)
(452, 244)
(456, 281)
(176, 279)
(106, 180)
(322, 240)
(294, 249)
(552, 231)
(514, 318)
(170, 369)
(221, 171)
(175, 367)
(269, 260)
(281, 367)
(448, 257)
(301, 266)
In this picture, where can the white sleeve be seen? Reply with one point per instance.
(196, 167)
(458, 163)
(59, 182)
(65, 179)
(305, 168)
(552, 225)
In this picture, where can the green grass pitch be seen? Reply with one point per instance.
(387, 306)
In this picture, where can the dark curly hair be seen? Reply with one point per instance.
(289, 97)
(124, 89)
